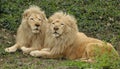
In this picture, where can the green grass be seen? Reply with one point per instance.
(103, 62)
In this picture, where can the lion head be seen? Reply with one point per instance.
(34, 18)
(62, 24)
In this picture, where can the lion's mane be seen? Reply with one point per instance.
(58, 45)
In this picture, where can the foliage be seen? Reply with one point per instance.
(98, 16)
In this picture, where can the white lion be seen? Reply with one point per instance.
(30, 34)
(64, 40)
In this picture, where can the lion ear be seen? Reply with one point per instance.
(25, 14)
(50, 20)
(44, 16)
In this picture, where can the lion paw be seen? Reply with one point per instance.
(45, 49)
(35, 53)
(10, 49)
(25, 50)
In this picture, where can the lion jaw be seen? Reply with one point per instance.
(56, 34)
(36, 30)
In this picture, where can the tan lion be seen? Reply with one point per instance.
(64, 40)
(30, 34)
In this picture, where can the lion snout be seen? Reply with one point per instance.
(37, 25)
(56, 28)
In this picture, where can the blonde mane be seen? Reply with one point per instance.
(58, 45)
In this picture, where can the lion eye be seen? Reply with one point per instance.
(53, 23)
(39, 19)
(31, 19)
(62, 24)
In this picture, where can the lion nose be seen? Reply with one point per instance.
(37, 25)
(55, 28)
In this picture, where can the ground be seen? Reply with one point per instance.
(18, 60)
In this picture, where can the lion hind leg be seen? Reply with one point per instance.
(94, 50)
(12, 48)
(91, 51)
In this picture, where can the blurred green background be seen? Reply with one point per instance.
(96, 18)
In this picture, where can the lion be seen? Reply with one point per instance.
(30, 34)
(63, 40)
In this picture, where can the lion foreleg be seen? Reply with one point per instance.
(38, 53)
(27, 50)
(12, 48)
